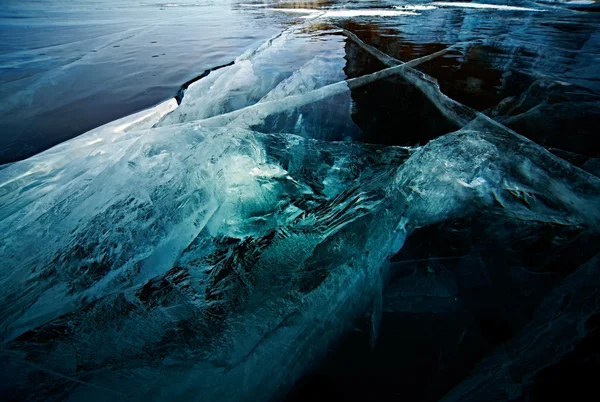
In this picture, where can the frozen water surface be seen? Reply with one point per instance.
(355, 200)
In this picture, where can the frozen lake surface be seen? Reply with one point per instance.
(276, 200)
(67, 67)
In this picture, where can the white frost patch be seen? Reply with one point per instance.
(483, 6)
(369, 13)
(575, 2)
(253, 5)
(474, 184)
(296, 10)
(344, 13)
(416, 7)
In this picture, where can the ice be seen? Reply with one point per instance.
(319, 119)
(256, 74)
(547, 109)
(221, 179)
(482, 6)
(348, 13)
(415, 7)
(224, 213)
(560, 322)
(315, 74)
(218, 249)
(458, 4)
(67, 68)
(568, 2)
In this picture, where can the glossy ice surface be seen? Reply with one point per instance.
(360, 200)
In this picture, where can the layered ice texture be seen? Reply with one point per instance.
(218, 249)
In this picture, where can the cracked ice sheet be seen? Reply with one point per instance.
(212, 199)
(177, 207)
(264, 75)
(268, 173)
(85, 60)
(348, 13)
(265, 307)
(560, 322)
(483, 6)
(402, 10)
(314, 101)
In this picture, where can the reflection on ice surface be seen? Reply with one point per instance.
(344, 13)
(482, 6)
(217, 249)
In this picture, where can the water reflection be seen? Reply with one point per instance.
(307, 4)
(143, 62)
(501, 63)
(515, 66)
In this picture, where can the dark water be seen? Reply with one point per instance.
(476, 281)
